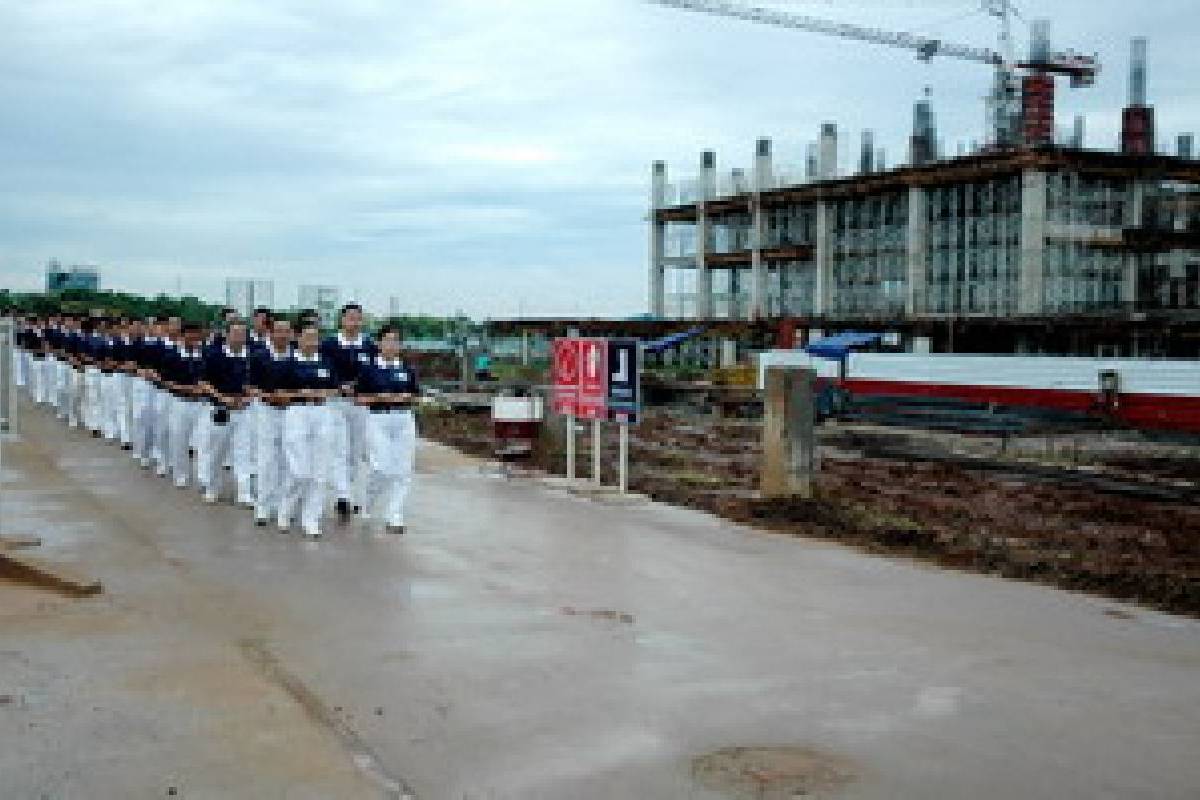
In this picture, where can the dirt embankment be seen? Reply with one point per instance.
(1016, 523)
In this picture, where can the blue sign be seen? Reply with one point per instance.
(624, 380)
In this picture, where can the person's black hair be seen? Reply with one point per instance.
(239, 321)
(349, 307)
(306, 325)
(389, 328)
(189, 327)
(262, 310)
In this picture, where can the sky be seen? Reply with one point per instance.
(488, 156)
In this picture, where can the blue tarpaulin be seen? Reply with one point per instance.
(673, 340)
(838, 346)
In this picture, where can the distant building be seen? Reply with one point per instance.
(61, 279)
(325, 300)
(245, 295)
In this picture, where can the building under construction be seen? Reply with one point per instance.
(1032, 228)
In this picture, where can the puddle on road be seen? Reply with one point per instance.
(773, 773)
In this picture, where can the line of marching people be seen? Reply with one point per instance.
(285, 422)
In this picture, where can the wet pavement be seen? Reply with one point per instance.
(522, 641)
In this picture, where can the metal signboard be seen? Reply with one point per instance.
(593, 379)
(565, 376)
(624, 380)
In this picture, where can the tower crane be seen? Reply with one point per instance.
(1004, 101)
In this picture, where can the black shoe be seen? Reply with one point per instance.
(126, 447)
(95, 434)
(343, 511)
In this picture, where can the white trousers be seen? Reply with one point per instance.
(21, 361)
(91, 406)
(232, 442)
(181, 428)
(307, 433)
(268, 456)
(160, 447)
(75, 396)
(391, 440)
(112, 404)
(36, 374)
(141, 416)
(58, 376)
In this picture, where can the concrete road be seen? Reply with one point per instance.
(524, 642)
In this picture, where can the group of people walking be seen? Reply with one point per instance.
(281, 419)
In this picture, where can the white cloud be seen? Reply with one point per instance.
(490, 156)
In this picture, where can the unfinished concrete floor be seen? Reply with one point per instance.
(524, 642)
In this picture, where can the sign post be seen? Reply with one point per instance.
(624, 396)
(593, 392)
(565, 392)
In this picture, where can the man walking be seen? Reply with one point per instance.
(387, 388)
(347, 351)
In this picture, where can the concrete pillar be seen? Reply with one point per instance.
(827, 154)
(789, 439)
(823, 259)
(917, 245)
(526, 349)
(763, 181)
(658, 241)
(728, 353)
(1031, 280)
(1135, 211)
(704, 282)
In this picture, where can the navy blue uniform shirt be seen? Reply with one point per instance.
(267, 369)
(348, 356)
(227, 371)
(315, 372)
(183, 367)
(387, 377)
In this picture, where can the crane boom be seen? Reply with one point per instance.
(925, 47)
(1080, 68)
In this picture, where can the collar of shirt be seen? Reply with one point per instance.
(279, 355)
(190, 354)
(232, 354)
(314, 358)
(344, 342)
(382, 362)
(126, 340)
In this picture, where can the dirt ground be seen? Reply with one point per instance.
(1100, 527)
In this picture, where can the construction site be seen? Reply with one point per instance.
(1030, 224)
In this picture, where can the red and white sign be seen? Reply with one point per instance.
(565, 376)
(592, 402)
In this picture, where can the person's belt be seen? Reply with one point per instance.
(307, 401)
(383, 408)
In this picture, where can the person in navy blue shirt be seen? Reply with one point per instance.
(348, 350)
(308, 382)
(266, 386)
(181, 372)
(387, 388)
(225, 430)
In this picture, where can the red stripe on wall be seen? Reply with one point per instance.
(1155, 411)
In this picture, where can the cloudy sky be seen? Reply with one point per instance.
(484, 155)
